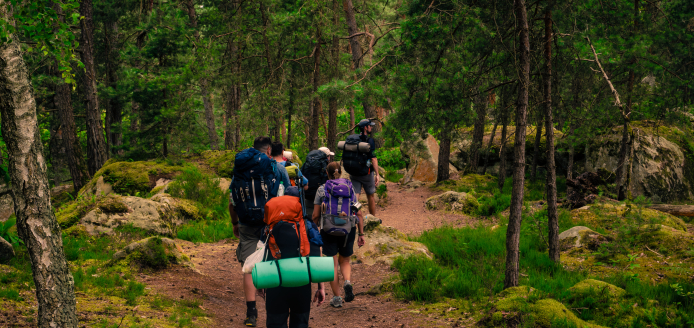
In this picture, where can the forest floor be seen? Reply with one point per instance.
(218, 285)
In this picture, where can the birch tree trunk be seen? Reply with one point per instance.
(96, 144)
(514, 222)
(36, 224)
(552, 216)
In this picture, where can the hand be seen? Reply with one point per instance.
(260, 292)
(376, 178)
(237, 234)
(360, 241)
(319, 297)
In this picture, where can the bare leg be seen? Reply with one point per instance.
(335, 284)
(372, 204)
(343, 263)
(248, 287)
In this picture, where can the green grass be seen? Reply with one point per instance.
(202, 188)
(206, 231)
(393, 176)
(10, 294)
(469, 263)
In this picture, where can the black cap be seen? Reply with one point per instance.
(292, 191)
(365, 122)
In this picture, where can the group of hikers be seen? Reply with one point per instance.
(300, 212)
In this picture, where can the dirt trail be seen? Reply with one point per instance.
(218, 285)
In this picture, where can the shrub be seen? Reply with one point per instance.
(204, 189)
(206, 231)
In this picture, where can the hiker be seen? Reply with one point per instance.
(282, 216)
(293, 170)
(256, 180)
(363, 163)
(314, 170)
(328, 153)
(336, 212)
(277, 154)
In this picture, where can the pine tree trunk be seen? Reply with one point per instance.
(233, 93)
(489, 146)
(536, 148)
(624, 147)
(502, 149)
(290, 111)
(369, 111)
(552, 216)
(443, 171)
(73, 149)
(514, 222)
(352, 121)
(96, 144)
(315, 112)
(478, 132)
(114, 117)
(332, 102)
(572, 154)
(36, 223)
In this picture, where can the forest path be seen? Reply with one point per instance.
(219, 283)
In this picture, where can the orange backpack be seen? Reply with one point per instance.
(287, 209)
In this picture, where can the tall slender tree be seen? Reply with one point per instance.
(96, 144)
(514, 222)
(552, 216)
(36, 223)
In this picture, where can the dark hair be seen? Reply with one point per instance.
(334, 170)
(261, 143)
(277, 149)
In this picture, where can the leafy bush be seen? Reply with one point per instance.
(391, 158)
(491, 205)
(8, 235)
(204, 189)
(393, 176)
(206, 231)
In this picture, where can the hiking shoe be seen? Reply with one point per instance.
(349, 293)
(251, 321)
(336, 302)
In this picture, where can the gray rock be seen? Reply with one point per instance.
(149, 253)
(385, 244)
(423, 160)
(453, 201)
(580, 236)
(6, 251)
(371, 222)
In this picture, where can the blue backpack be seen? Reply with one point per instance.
(254, 184)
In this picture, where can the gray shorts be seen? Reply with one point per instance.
(367, 181)
(248, 239)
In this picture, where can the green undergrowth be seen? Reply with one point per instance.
(204, 189)
(469, 264)
(221, 161)
(106, 294)
(206, 231)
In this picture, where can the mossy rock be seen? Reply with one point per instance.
(112, 204)
(453, 201)
(76, 231)
(597, 289)
(73, 211)
(152, 252)
(665, 239)
(517, 304)
(221, 161)
(612, 216)
(131, 178)
(580, 236)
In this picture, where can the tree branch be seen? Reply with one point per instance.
(365, 73)
(614, 91)
(356, 125)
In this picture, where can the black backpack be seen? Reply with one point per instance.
(314, 170)
(354, 160)
(253, 185)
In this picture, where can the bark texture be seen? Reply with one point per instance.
(36, 224)
(514, 222)
(502, 147)
(332, 102)
(96, 144)
(114, 113)
(536, 148)
(478, 131)
(489, 146)
(443, 169)
(316, 108)
(552, 216)
(73, 149)
(369, 110)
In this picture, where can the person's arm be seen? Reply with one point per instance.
(234, 219)
(316, 213)
(374, 163)
(360, 229)
(320, 294)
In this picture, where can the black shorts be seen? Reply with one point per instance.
(333, 245)
(293, 303)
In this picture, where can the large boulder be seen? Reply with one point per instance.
(423, 160)
(453, 201)
(153, 252)
(384, 244)
(129, 178)
(160, 214)
(6, 250)
(661, 169)
(579, 237)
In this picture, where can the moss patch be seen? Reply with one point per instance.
(112, 204)
(453, 201)
(221, 161)
(72, 212)
(613, 216)
(131, 178)
(596, 288)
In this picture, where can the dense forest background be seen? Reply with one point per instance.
(169, 78)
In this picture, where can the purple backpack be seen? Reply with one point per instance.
(339, 196)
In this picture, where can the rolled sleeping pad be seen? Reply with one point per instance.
(362, 147)
(294, 272)
(322, 269)
(265, 275)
